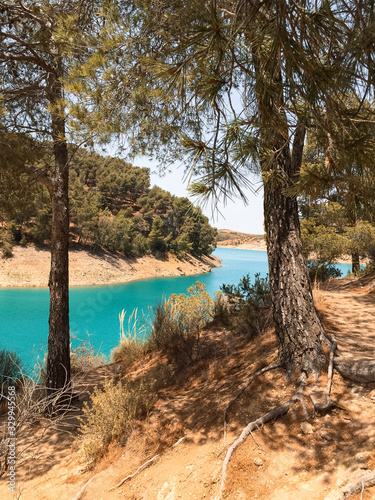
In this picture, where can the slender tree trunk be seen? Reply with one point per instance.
(298, 328)
(58, 360)
(355, 263)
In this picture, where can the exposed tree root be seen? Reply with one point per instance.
(329, 404)
(361, 371)
(145, 465)
(275, 413)
(245, 386)
(359, 485)
(140, 469)
(82, 490)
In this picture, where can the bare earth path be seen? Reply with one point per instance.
(289, 458)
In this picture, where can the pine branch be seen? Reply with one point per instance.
(41, 176)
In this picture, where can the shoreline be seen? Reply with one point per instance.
(29, 267)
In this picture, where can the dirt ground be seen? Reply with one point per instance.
(300, 456)
(30, 267)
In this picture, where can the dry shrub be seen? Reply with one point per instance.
(178, 324)
(109, 415)
(319, 298)
(10, 369)
(133, 341)
(32, 403)
(85, 357)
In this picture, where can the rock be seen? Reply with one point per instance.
(258, 461)
(325, 436)
(307, 428)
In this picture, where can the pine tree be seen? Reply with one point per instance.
(239, 82)
(42, 42)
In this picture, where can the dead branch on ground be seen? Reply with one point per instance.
(359, 485)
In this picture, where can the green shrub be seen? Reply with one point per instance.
(41, 231)
(109, 414)
(6, 244)
(248, 307)
(321, 271)
(178, 323)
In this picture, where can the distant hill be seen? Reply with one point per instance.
(235, 239)
(112, 208)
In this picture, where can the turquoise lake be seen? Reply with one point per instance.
(94, 310)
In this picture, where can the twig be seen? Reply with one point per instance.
(360, 484)
(244, 387)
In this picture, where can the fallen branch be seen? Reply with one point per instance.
(244, 387)
(275, 413)
(359, 485)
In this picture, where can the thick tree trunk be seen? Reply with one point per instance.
(355, 263)
(298, 328)
(58, 359)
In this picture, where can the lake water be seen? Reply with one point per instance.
(94, 310)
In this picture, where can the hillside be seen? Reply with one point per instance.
(183, 434)
(234, 239)
(112, 207)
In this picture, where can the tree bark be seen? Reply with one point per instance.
(298, 328)
(58, 359)
(355, 263)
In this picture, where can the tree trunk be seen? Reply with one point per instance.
(58, 359)
(298, 328)
(355, 263)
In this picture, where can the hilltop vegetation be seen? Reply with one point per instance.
(112, 207)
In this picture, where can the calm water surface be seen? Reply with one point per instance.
(94, 310)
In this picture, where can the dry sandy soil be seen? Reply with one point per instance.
(30, 267)
(288, 458)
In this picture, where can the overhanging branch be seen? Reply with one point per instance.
(41, 176)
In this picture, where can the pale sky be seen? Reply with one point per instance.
(235, 215)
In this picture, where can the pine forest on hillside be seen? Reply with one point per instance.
(111, 206)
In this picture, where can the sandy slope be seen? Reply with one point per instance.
(289, 458)
(30, 267)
